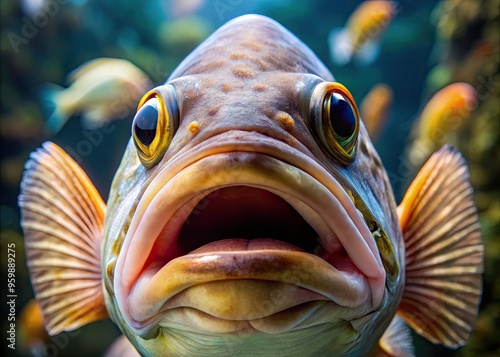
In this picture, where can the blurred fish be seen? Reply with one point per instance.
(33, 7)
(31, 330)
(101, 90)
(358, 40)
(252, 216)
(184, 7)
(375, 109)
(445, 113)
(193, 29)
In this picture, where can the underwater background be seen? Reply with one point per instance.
(428, 45)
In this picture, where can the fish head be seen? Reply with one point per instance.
(250, 210)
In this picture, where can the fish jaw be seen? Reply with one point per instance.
(157, 276)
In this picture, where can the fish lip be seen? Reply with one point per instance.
(212, 149)
(316, 278)
(304, 316)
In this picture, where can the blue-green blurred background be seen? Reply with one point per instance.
(421, 50)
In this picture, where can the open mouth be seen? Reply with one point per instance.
(245, 213)
(259, 225)
(243, 218)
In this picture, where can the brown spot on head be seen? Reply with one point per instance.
(193, 127)
(243, 71)
(237, 56)
(252, 45)
(259, 87)
(251, 59)
(226, 87)
(207, 66)
(214, 109)
(284, 120)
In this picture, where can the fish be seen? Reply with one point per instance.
(359, 39)
(185, 8)
(252, 216)
(32, 334)
(375, 109)
(34, 7)
(445, 114)
(101, 90)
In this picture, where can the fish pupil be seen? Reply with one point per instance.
(342, 116)
(146, 120)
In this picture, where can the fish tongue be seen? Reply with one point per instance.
(239, 244)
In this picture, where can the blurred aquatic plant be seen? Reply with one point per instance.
(467, 49)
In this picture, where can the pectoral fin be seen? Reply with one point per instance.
(62, 220)
(444, 251)
(396, 340)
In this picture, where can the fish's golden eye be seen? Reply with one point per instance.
(154, 125)
(335, 120)
(342, 119)
(146, 121)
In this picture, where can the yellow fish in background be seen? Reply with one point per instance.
(31, 331)
(101, 90)
(445, 114)
(358, 40)
(251, 216)
(375, 109)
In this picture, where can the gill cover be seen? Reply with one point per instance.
(335, 120)
(154, 124)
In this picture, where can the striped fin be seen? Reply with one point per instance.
(396, 340)
(62, 220)
(444, 251)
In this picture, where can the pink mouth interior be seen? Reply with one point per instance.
(243, 218)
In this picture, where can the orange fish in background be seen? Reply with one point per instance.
(375, 109)
(358, 40)
(31, 330)
(445, 114)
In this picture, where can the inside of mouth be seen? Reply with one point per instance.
(245, 213)
(243, 218)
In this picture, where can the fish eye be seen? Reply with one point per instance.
(146, 121)
(341, 116)
(335, 120)
(154, 124)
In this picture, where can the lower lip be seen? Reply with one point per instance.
(238, 244)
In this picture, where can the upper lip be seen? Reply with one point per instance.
(187, 179)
